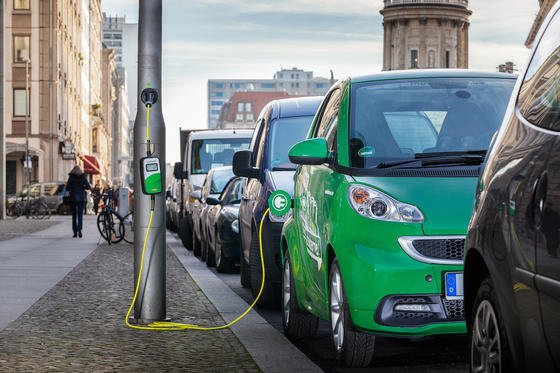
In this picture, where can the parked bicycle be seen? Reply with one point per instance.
(37, 208)
(128, 222)
(109, 223)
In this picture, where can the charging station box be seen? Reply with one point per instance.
(150, 172)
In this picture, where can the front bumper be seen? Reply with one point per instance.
(379, 275)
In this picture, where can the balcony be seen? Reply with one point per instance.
(458, 3)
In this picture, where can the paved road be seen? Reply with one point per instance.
(435, 354)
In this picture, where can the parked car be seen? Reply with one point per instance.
(213, 185)
(382, 200)
(171, 205)
(203, 150)
(267, 168)
(512, 264)
(52, 193)
(222, 222)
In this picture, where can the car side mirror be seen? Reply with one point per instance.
(213, 201)
(178, 170)
(242, 165)
(196, 194)
(310, 152)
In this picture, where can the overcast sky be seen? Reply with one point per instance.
(212, 39)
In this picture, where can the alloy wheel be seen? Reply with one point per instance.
(337, 310)
(286, 291)
(485, 341)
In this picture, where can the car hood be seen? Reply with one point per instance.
(282, 180)
(446, 203)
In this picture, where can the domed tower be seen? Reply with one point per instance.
(425, 34)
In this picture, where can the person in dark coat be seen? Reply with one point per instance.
(76, 186)
(96, 194)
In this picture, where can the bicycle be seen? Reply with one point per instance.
(109, 222)
(37, 208)
(128, 222)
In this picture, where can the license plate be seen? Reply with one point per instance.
(454, 285)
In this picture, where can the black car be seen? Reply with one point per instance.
(281, 124)
(213, 185)
(223, 227)
(512, 253)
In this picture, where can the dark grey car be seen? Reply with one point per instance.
(512, 258)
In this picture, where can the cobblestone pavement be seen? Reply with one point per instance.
(79, 325)
(11, 228)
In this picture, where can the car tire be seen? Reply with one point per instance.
(267, 298)
(488, 343)
(197, 250)
(297, 323)
(185, 233)
(352, 348)
(223, 264)
(244, 272)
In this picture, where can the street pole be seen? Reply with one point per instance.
(150, 302)
(26, 162)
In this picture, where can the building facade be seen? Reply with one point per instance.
(292, 81)
(243, 108)
(425, 34)
(53, 92)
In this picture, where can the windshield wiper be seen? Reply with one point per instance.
(441, 158)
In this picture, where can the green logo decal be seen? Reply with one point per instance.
(280, 203)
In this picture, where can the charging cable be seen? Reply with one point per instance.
(149, 97)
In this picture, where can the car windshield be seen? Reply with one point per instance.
(284, 133)
(219, 180)
(392, 122)
(211, 153)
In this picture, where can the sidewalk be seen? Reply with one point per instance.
(72, 296)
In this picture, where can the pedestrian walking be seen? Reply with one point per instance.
(96, 194)
(76, 186)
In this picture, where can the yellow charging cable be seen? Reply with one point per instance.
(167, 325)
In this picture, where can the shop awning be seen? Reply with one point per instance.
(91, 165)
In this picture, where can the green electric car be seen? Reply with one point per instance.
(382, 200)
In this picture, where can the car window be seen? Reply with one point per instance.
(220, 177)
(234, 192)
(284, 133)
(51, 189)
(328, 114)
(539, 95)
(256, 141)
(35, 190)
(400, 119)
(210, 153)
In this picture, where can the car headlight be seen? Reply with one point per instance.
(279, 219)
(374, 204)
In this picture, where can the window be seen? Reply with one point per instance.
(20, 103)
(239, 117)
(330, 111)
(539, 95)
(215, 112)
(218, 94)
(21, 48)
(267, 85)
(219, 85)
(21, 4)
(240, 107)
(414, 59)
(94, 140)
(216, 103)
(248, 107)
(447, 59)
(249, 117)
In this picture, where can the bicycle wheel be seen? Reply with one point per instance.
(41, 210)
(14, 210)
(110, 226)
(128, 222)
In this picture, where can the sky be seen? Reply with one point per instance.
(252, 39)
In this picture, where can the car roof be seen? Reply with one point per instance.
(295, 107)
(221, 134)
(431, 73)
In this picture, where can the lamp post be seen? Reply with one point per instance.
(26, 163)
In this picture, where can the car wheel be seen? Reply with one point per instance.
(489, 347)
(196, 245)
(244, 272)
(297, 323)
(223, 264)
(352, 348)
(185, 232)
(267, 298)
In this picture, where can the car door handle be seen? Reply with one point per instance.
(539, 199)
(244, 197)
